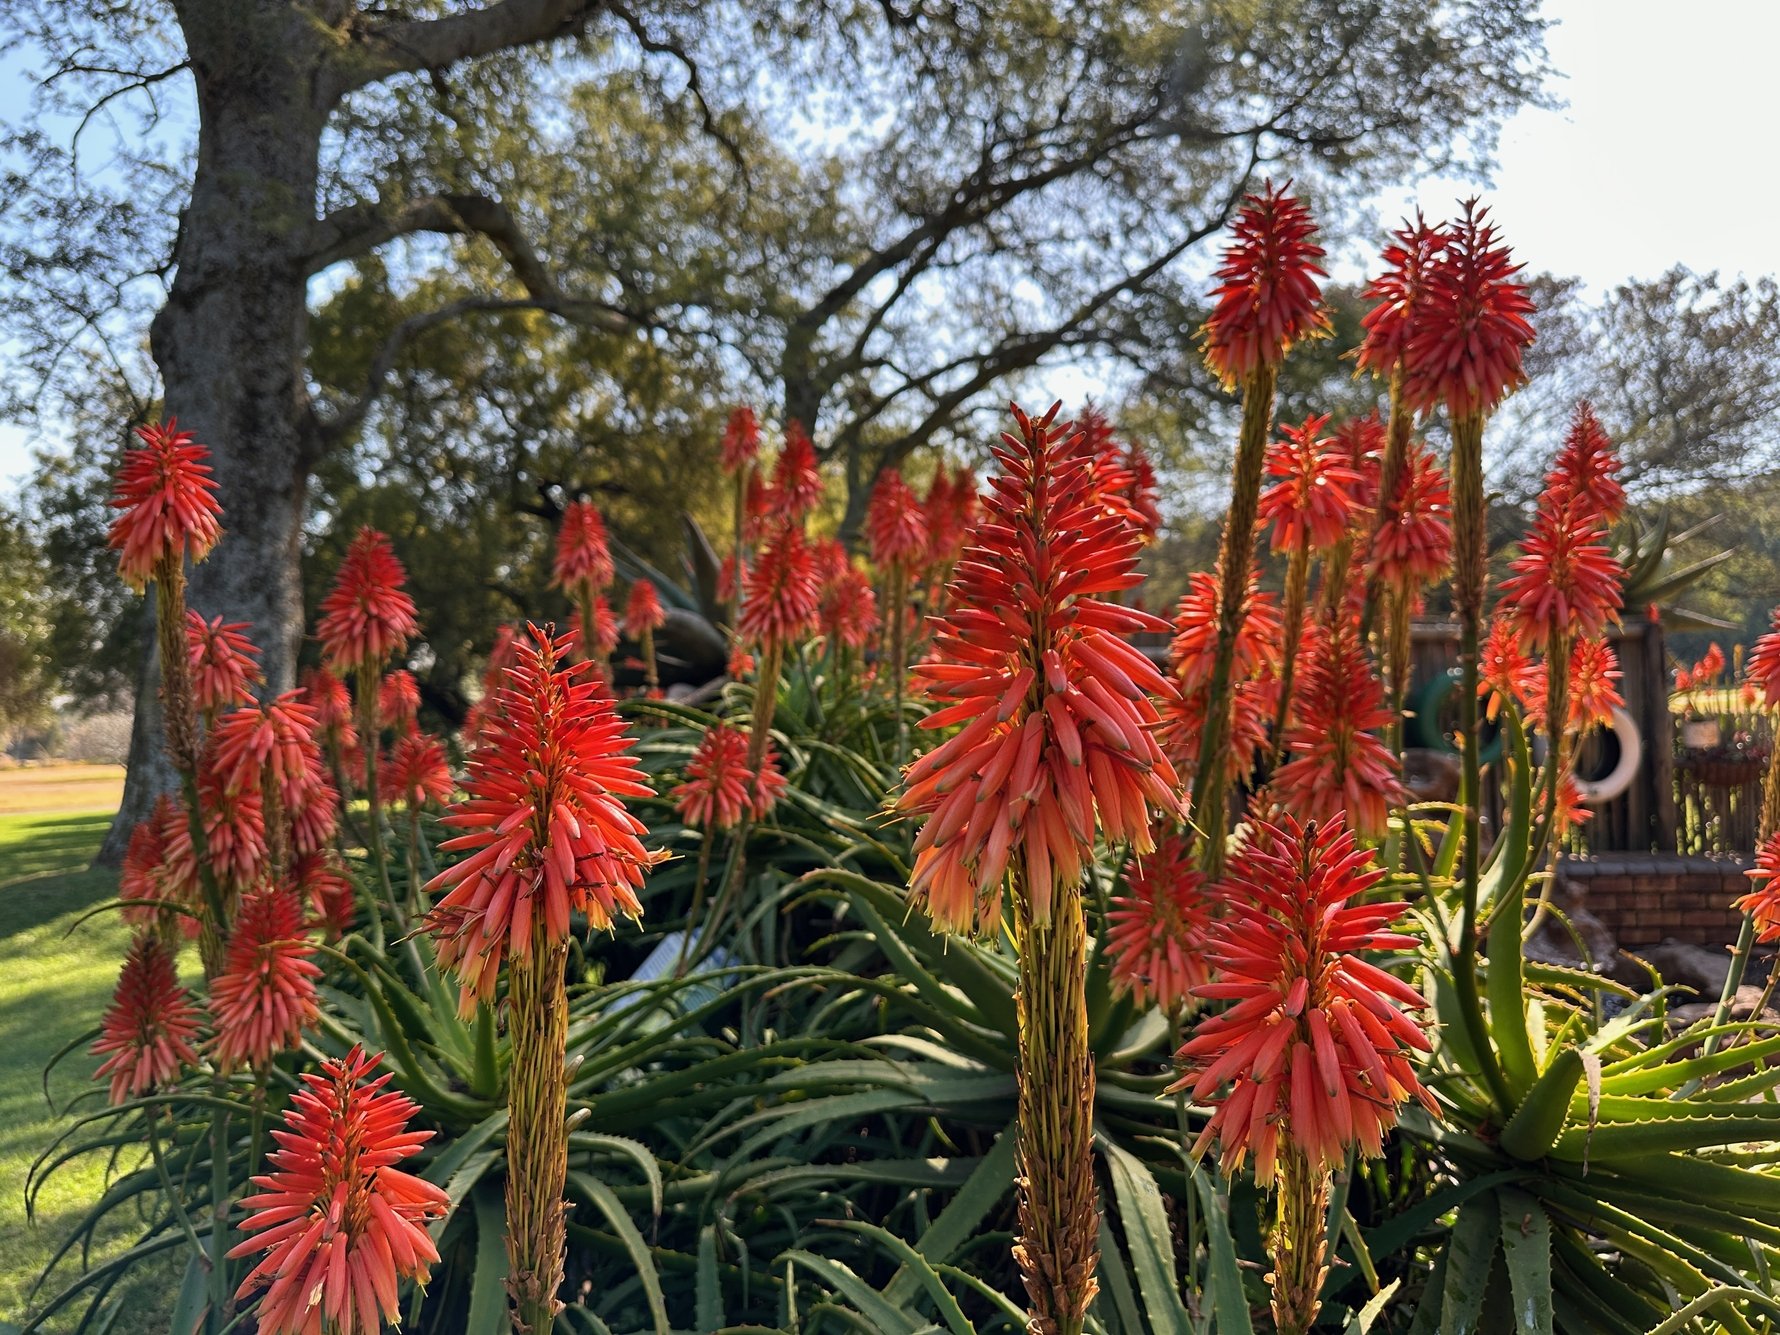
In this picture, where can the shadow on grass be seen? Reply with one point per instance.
(54, 986)
(145, 1293)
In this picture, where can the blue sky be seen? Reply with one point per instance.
(1646, 166)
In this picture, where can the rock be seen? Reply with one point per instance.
(1586, 943)
(1431, 776)
(1742, 1007)
(1699, 967)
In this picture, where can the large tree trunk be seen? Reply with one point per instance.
(230, 341)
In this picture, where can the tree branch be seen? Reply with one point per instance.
(334, 427)
(361, 228)
(376, 49)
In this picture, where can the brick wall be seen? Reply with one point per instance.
(1643, 898)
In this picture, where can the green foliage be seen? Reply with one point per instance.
(1632, 1169)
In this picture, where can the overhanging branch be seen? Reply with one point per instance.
(376, 49)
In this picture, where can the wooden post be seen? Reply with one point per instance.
(1659, 741)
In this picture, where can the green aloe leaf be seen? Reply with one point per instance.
(1468, 1259)
(1504, 889)
(987, 1186)
(915, 1264)
(1526, 1248)
(839, 1278)
(487, 1314)
(1148, 1237)
(1116, 1287)
(1539, 1120)
(1223, 1277)
(600, 1196)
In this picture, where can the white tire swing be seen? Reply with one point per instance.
(1611, 784)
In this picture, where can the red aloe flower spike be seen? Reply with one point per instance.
(1413, 544)
(605, 628)
(264, 998)
(1032, 663)
(1505, 672)
(317, 880)
(1414, 248)
(1313, 499)
(741, 439)
(1156, 931)
(1465, 345)
(177, 879)
(1311, 505)
(1267, 298)
(312, 805)
(417, 774)
(546, 834)
(1142, 495)
(398, 701)
(797, 478)
(643, 615)
(781, 593)
(545, 826)
(225, 663)
(139, 875)
(168, 501)
(849, 611)
(1056, 749)
(583, 552)
(1762, 903)
(1763, 664)
(1566, 582)
(275, 736)
(340, 1224)
(1587, 469)
(895, 524)
(1592, 697)
(1196, 631)
(234, 821)
(714, 794)
(643, 612)
(1339, 763)
(1469, 328)
(147, 1033)
(332, 702)
(896, 530)
(1252, 706)
(1311, 1059)
(366, 616)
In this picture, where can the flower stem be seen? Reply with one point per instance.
(698, 899)
(368, 738)
(1059, 1221)
(899, 596)
(1234, 558)
(1298, 1243)
(537, 1133)
(651, 673)
(1297, 587)
(1396, 449)
(1470, 575)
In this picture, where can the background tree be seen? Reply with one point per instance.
(880, 236)
(25, 679)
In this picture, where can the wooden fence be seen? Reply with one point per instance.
(1693, 800)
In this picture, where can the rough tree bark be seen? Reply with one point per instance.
(232, 339)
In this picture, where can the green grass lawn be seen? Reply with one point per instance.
(53, 987)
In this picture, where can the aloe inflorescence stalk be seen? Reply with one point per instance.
(1056, 748)
(1267, 300)
(547, 835)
